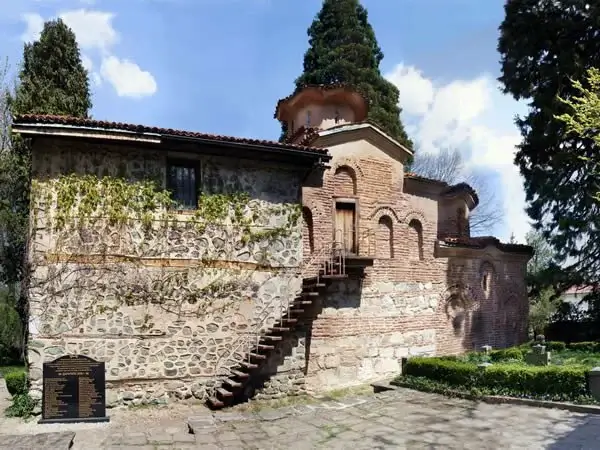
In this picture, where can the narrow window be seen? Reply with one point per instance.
(182, 182)
(308, 114)
(337, 115)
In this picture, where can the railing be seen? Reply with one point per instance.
(329, 256)
(361, 241)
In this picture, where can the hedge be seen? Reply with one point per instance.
(560, 383)
(507, 354)
(16, 382)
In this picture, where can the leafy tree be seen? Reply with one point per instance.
(543, 44)
(343, 49)
(52, 80)
(449, 166)
(543, 298)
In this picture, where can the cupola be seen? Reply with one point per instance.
(321, 107)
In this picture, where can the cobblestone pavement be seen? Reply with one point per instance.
(395, 420)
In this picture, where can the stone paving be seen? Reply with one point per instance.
(401, 419)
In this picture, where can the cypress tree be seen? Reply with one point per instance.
(344, 49)
(52, 79)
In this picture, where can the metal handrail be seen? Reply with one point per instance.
(364, 240)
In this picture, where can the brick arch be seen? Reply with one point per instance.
(487, 276)
(384, 211)
(349, 163)
(459, 316)
(415, 240)
(385, 237)
(315, 207)
(345, 182)
(511, 316)
(415, 215)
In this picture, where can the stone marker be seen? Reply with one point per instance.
(74, 390)
(486, 349)
(538, 356)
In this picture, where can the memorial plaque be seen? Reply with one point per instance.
(74, 390)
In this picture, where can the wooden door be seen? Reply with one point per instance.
(345, 215)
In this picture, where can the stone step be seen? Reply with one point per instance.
(288, 320)
(272, 338)
(257, 356)
(265, 347)
(248, 365)
(280, 329)
(215, 402)
(239, 374)
(314, 286)
(233, 383)
(224, 392)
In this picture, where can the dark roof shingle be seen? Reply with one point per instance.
(32, 119)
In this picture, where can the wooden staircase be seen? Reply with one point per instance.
(239, 386)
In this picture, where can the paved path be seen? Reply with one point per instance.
(400, 419)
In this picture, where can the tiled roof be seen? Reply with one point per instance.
(481, 242)
(325, 87)
(119, 126)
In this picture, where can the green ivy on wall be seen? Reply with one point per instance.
(82, 200)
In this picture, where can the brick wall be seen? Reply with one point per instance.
(401, 307)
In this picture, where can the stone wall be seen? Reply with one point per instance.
(169, 308)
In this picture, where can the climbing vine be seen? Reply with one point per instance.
(118, 221)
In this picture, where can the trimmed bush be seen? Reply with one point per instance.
(590, 347)
(507, 354)
(555, 346)
(16, 382)
(560, 383)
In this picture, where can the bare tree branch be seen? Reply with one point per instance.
(449, 166)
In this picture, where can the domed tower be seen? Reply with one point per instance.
(319, 107)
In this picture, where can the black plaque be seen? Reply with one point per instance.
(74, 390)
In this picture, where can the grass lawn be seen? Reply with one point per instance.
(8, 369)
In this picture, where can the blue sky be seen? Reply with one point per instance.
(219, 66)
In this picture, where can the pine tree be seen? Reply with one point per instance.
(52, 79)
(343, 49)
(544, 45)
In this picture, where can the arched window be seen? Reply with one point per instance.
(385, 238)
(415, 240)
(344, 182)
(486, 274)
(308, 118)
(308, 234)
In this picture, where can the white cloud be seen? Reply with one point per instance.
(94, 29)
(97, 37)
(34, 23)
(95, 77)
(472, 115)
(127, 77)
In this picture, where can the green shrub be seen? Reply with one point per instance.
(507, 354)
(16, 382)
(560, 383)
(555, 346)
(590, 347)
(456, 373)
(22, 406)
